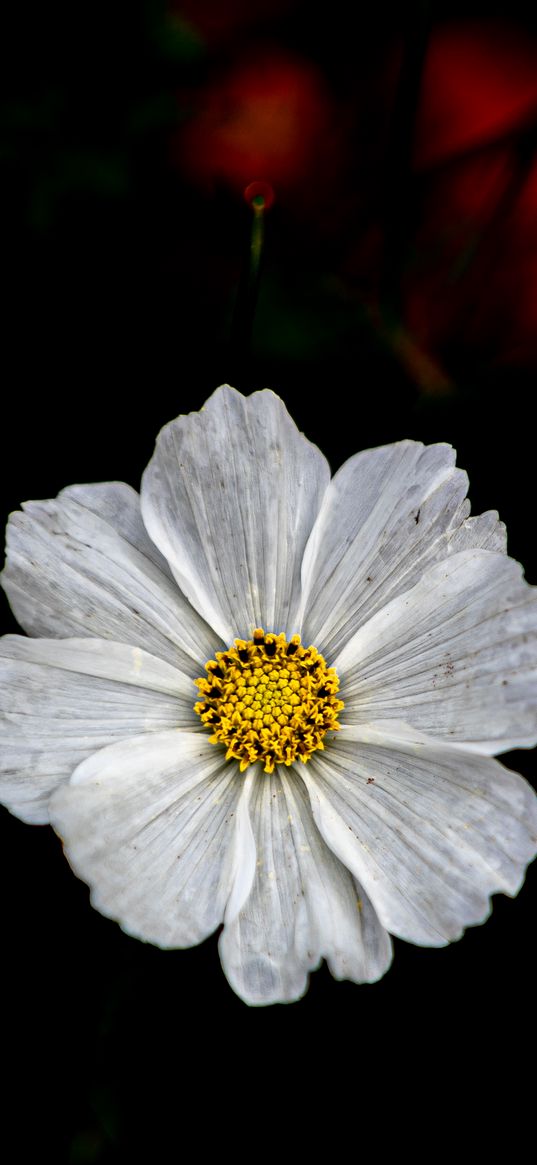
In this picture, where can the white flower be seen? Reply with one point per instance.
(399, 822)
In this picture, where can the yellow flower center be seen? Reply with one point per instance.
(269, 700)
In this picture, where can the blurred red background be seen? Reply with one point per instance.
(465, 272)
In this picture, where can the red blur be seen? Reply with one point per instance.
(473, 282)
(268, 118)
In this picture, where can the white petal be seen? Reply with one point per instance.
(158, 827)
(118, 504)
(230, 498)
(303, 906)
(430, 831)
(455, 657)
(100, 657)
(388, 514)
(62, 700)
(82, 564)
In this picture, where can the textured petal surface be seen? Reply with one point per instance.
(60, 701)
(455, 657)
(230, 498)
(387, 515)
(158, 827)
(118, 504)
(303, 906)
(430, 831)
(82, 564)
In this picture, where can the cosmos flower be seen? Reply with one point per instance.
(260, 697)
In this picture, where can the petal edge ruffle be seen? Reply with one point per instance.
(303, 906)
(151, 824)
(455, 657)
(230, 497)
(430, 831)
(388, 515)
(82, 564)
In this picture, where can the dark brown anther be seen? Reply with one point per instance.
(291, 648)
(270, 647)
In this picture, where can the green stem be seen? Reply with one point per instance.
(247, 295)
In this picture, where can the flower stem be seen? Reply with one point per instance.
(259, 196)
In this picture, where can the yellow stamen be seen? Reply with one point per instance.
(269, 700)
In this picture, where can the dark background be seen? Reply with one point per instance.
(398, 299)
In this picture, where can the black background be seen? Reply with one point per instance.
(120, 279)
